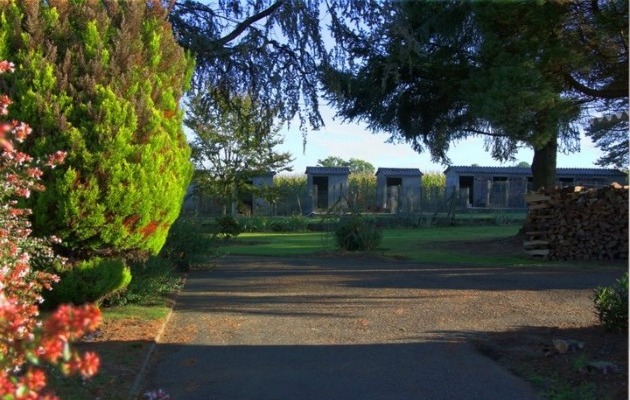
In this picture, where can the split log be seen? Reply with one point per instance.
(578, 223)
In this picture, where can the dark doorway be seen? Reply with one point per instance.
(467, 182)
(320, 184)
(246, 198)
(394, 182)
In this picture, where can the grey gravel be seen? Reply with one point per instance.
(357, 328)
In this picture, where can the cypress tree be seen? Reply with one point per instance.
(101, 80)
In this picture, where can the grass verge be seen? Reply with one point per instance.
(122, 343)
(483, 245)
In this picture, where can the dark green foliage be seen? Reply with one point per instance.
(267, 50)
(188, 242)
(152, 281)
(294, 223)
(102, 81)
(611, 305)
(432, 73)
(610, 134)
(90, 281)
(227, 227)
(358, 233)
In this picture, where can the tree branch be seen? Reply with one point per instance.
(614, 93)
(241, 27)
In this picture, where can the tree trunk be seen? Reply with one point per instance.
(544, 165)
(234, 199)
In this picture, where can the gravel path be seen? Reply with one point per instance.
(357, 328)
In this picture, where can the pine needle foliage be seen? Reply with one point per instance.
(101, 80)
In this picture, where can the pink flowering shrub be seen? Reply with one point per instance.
(26, 342)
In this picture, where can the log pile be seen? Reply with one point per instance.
(578, 224)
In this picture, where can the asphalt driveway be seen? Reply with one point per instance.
(357, 328)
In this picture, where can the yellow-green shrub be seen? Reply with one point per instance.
(90, 281)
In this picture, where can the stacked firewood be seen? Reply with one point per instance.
(578, 224)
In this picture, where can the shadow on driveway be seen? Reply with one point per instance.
(356, 328)
(431, 371)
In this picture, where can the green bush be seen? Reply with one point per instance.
(358, 233)
(153, 280)
(115, 110)
(90, 281)
(188, 240)
(289, 224)
(255, 223)
(227, 227)
(611, 305)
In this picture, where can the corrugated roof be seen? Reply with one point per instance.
(399, 172)
(527, 171)
(328, 170)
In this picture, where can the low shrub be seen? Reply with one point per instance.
(90, 281)
(227, 227)
(255, 223)
(611, 305)
(153, 280)
(188, 241)
(358, 233)
(289, 224)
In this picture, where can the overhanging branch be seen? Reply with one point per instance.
(609, 93)
(241, 27)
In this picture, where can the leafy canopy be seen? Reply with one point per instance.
(233, 143)
(356, 165)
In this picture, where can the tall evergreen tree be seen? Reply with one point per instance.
(598, 31)
(101, 80)
(432, 73)
(268, 50)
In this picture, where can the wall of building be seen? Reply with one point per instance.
(337, 192)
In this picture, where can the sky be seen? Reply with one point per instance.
(354, 140)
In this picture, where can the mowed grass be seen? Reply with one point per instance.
(455, 245)
(153, 312)
(439, 244)
(482, 245)
(280, 244)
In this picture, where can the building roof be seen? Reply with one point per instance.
(328, 170)
(528, 171)
(398, 172)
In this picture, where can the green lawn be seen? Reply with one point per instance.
(483, 245)
(457, 245)
(440, 244)
(280, 244)
(136, 311)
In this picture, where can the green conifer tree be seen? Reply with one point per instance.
(101, 80)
